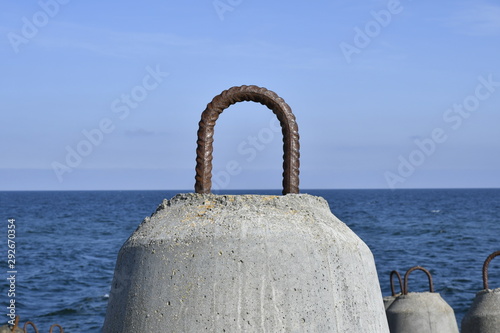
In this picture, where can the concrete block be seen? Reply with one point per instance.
(7, 329)
(484, 314)
(222, 263)
(424, 312)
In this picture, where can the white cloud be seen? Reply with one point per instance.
(138, 132)
(113, 43)
(126, 44)
(478, 19)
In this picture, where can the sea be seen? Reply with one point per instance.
(66, 244)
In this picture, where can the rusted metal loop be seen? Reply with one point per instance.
(431, 286)
(254, 94)
(485, 268)
(58, 326)
(393, 291)
(16, 324)
(25, 327)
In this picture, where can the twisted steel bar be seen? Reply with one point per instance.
(29, 323)
(25, 327)
(393, 290)
(204, 151)
(16, 324)
(485, 268)
(431, 286)
(58, 326)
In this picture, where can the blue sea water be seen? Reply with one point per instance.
(67, 242)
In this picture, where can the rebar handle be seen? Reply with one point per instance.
(16, 324)
(485, 268)
(289, 128)
(393, 291)
(25, 327)
(431, 286)
(58, 326)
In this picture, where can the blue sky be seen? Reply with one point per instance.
(387, 94)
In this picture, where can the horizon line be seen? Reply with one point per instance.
(261, 189)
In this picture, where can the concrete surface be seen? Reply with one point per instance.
(6, 329)
(222, 263)
(388, 300)
(421, 313)
(484, 313)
